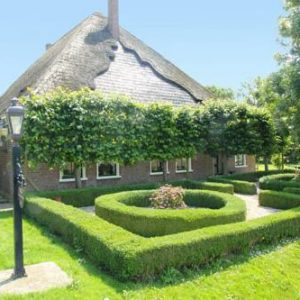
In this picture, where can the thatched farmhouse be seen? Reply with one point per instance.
(101, 55)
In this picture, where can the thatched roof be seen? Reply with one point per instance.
(86, 52)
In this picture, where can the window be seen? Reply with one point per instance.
(240, 161)
(108, 171)
(67, 174)
(183, 165)
(157, 167)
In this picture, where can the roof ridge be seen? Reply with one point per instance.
(84, 53)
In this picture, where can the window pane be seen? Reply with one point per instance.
(181, 164)
(105, 170)
(240, 160)
(69, 171)
(157, 166)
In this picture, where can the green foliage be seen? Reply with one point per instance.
(279, 200)
(255, 176)
(264, 262)
(292, 190)
(81, 126)
(278, 182)
(160, 132)
(240, 187)
(131, 210)
(203, 185)
(221, 93)
(168, 196)
(86, 196)
(278, 161)
(129, 256)
(234, 128)
(84, 127)
(188, 136)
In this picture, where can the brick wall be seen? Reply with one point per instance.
(128, 75)
(6, 183)
(250, 165)
(44, 179)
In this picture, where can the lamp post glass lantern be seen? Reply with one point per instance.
(15, 115)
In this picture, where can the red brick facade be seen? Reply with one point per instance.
(202, 167)
(43, 178)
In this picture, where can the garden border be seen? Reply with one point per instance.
(131, 257)
(158, 222)
(86, 196)
(278, 182)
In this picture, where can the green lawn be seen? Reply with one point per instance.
(267, 273)
(261, 167)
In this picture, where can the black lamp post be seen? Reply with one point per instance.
(15, 115)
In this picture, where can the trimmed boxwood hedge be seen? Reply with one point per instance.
(240, 187)
(128, 256)
(292, 190)
(279, 200)
(278, 182)
(255, 176)
(131, 210)
(86, 196)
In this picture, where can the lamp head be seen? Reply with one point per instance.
(15, 115)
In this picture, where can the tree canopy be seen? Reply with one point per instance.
(86, 127)
(221, 93)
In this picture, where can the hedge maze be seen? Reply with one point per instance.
(131, 211)
(130, 256)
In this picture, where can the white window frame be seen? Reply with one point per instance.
(245, 161)
(117, 176)
(83, 178)
(190, 169)
(158, 173)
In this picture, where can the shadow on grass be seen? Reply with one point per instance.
(170, 276)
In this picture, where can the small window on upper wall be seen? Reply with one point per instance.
(157, 167)
(183, 165)
(240, 161)
(67, 173)
(108, 171)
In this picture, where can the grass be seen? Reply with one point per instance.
(261, 167)
(262, 274)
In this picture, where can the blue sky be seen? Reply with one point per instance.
(216, 42)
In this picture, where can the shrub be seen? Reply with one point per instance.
(292, 190)
(278, 182)
(168, 196)
(279, 200)
(240, 187)
(255, 176)
(128, 256)
(131, 211)
(204, 185)
(87, 196)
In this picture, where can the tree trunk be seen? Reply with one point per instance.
(165, 171)
(266, 163)
(224, 160)
(78, 177)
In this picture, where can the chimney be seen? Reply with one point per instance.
(113, 18)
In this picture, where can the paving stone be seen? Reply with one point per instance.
(40, 277)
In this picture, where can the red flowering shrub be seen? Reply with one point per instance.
(168, 196)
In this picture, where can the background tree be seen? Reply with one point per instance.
(160, 132)
(221, 93)
(186, 134)
(82, 127)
